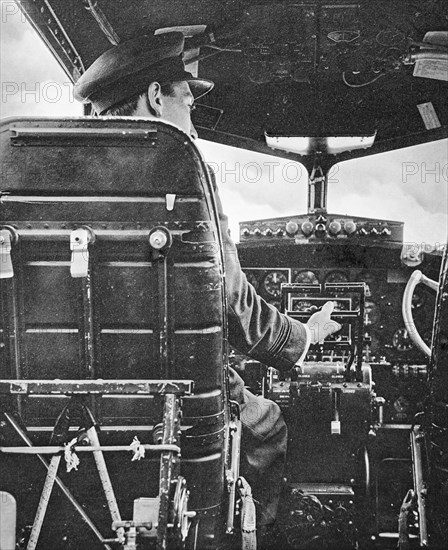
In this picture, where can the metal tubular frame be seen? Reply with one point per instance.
(169, 448)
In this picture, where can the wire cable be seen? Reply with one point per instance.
(363, 84)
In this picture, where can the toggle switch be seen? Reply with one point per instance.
(8, 237)
(79, 245)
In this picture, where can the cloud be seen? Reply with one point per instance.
(258, 178)
(408, 185)
(32, 82)
(420, 172)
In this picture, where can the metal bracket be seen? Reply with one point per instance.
(8, 237)
(233, 474)
(170, 199)
(79, 242)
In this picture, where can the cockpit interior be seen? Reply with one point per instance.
(113, 334)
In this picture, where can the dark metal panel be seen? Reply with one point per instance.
(123, 169)
(304, 68)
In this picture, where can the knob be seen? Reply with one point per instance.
(320, 229)
(158, 239)
(307, 228)
(292, 228)
(350, 227)
(245, 232)
(334, 227)
(363, 231)
(267, 232)
(280, 232)
(257, 232)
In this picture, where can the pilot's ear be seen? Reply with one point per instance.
(154, 97)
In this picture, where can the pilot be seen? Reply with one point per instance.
(146, 77)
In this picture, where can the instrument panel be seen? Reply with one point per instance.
(383, 322)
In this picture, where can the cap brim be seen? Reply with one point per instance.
(199, 87)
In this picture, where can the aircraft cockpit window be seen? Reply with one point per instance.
(104, 283)
(33, 83)
(409, 185)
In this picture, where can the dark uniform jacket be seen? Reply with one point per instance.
(255, 327)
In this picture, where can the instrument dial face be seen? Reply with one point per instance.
(308, 277)
(302, 305)
(252, 278)
(336, 277)
(272, 283)
(401, 340)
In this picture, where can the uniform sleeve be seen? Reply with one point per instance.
(255, 327)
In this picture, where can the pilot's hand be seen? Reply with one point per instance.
(321, 325)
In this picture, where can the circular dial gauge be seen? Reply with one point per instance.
(401, 340)
(371, 313)
(252, 278)
(302, 305)
(272, 283)
(336, 277)
(308, 277)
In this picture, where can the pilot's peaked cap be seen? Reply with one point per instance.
(129, 68)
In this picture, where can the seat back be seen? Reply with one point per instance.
(120, 304)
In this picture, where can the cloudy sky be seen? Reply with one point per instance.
(409, 185)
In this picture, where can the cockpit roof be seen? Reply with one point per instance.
(284, 69)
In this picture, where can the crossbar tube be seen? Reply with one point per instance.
(109, 387)
(54, 449)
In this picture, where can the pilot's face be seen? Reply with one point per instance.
(176, 108)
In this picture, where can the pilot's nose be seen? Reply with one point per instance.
(193, 133)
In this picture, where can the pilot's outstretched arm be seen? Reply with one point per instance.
(258, 329)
